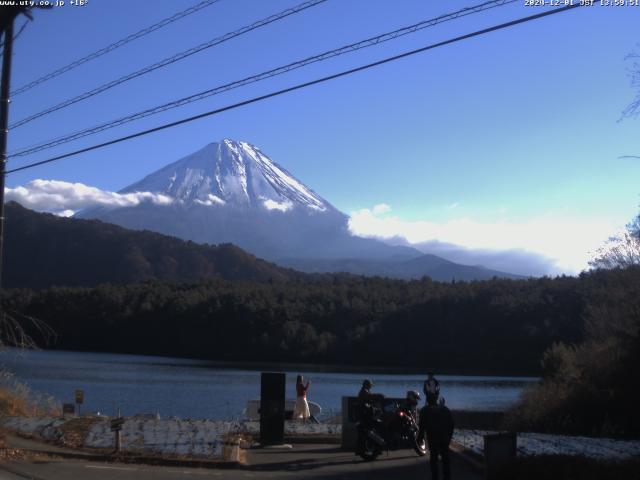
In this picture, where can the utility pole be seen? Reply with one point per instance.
(11, 14)
(7, 16)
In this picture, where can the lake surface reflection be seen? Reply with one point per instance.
(197, 389)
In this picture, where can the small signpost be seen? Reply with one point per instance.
(116, 424)
(116, 427)
(68, 408)
(79, 399)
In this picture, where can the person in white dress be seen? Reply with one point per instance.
(301, 410)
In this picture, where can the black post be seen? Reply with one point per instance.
(272, 390)
(4, 121)
(117, 432)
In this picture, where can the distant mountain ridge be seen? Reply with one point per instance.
(42, 250)
(437, 268)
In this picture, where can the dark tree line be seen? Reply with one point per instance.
(497, 326)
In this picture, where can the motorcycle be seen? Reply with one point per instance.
(389, 428)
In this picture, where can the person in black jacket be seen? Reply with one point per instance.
(367, 399)
(431, 387)
(436, 422)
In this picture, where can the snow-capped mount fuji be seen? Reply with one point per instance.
(235, 174)
(230, 191)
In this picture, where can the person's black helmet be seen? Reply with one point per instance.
(367, 383)
(413, 397)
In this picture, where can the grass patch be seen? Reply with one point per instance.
(12, 403)
(16, 398)
(75, 431)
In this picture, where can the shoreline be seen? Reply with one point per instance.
(305, 367)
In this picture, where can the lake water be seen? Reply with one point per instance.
(197, 389)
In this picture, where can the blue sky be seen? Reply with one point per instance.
(506, 141)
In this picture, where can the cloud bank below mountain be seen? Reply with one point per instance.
(66, 198)
(546, 245)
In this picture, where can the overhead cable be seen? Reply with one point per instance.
(369, 42)
(299, 86)
(113, 46)
(168, 61)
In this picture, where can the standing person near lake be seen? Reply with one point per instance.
(436, 422)
(301, 410)
(431, 387)
(366, 396)
(367, 399)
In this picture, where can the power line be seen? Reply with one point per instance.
(300, 86)
(15, 37)
(168, 61)
(24, 25)
(115, 45)
(369, 42)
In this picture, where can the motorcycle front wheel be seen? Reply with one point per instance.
(420, 444)
(368, 449)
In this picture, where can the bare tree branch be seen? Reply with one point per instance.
(620, 251)
(633, 109)
(15, 328)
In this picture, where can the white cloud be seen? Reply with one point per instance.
(65, 198)
(211, 200)
(381, 208)
(66, 213)
(273, 205)
(567, 243)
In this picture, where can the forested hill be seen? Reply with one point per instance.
(497, 326)
(43, 250)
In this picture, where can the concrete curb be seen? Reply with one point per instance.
(328, 439)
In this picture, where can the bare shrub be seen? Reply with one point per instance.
(16, 398)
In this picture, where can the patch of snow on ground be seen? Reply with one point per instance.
(197, 438)
(297, 428)
(46, 427)
(530, 444)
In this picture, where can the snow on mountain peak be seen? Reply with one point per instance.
(231, 173)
